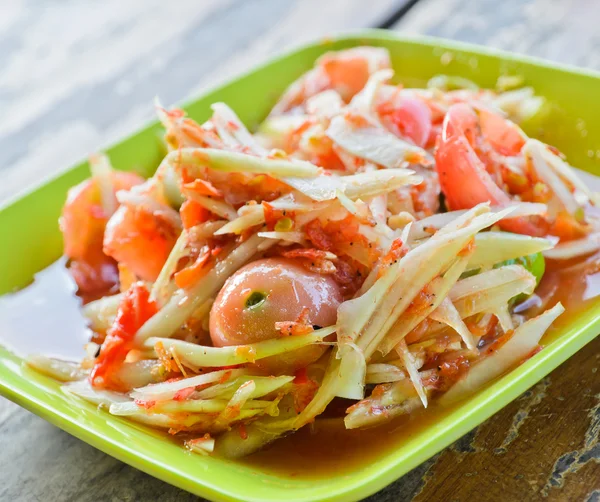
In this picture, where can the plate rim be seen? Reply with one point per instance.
(484, 404)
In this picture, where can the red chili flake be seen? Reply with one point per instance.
(329, 160)
(291, 328)
(310, 253)
(292, 140)
(317, 235)
(193, 214)
(226, 376)
(203, 187)
(451, 367)
(197, 133)
(134, 310)
(356, 120)
(166, 359)
(186, 177)
(396, 252)
(191, 275)
(216, 251)
(349, 274)
(301, 326)
(145, 404)
(183, 394)
(350, 409)
(451, 371)
(432, 381)
(243, 431)
(175, 113)
(301, 376)
(482, 331)
(272, 215)
(417, 158)
(378, 391)
(334, 232)
(304, 391)
(246, 234)
(421, 302)
(336, 236)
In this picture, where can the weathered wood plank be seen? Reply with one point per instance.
(77, 75)
(41, 462)
(543, 446)
(83, 113)
(564, 31)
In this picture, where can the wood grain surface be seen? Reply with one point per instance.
(561, 30)
(78, 74)
(542, 446)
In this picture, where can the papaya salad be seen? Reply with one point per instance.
(369, 244)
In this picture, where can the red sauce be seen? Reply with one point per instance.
(46, 318)
(327, 446)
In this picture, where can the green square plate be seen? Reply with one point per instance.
(30, 223)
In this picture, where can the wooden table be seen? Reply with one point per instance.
(78, 74)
